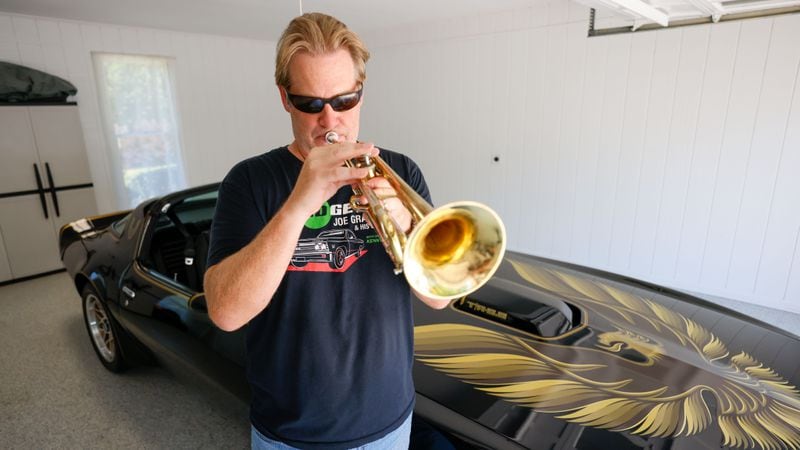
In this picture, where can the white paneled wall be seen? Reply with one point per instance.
(671, 156)
(227, 101)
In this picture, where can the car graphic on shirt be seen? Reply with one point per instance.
(331, 246)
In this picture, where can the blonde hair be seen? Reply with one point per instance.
(318, 34)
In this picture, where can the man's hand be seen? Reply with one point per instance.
(324, 172)
(384, 191)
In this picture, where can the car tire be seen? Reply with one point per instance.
(103, 331)
(299, 263)
(339, 255)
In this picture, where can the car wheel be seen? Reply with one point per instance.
(299, 263)
(102, 331)
(339, 256)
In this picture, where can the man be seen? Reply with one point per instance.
(330, 335)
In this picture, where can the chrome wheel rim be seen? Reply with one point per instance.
(100, 328)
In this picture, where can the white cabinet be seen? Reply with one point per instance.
(44, 184)
(29, 238)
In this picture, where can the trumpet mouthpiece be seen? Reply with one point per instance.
(331, 137)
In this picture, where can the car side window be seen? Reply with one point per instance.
(179, 246)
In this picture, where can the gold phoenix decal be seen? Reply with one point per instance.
(646, 377)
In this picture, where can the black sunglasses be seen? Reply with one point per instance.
(313, 105)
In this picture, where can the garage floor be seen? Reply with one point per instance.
(54, 393)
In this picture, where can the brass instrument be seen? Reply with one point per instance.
(450, 252)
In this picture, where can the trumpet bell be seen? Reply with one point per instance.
(454, 250)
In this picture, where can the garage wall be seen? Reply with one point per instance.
(671, 155)
(226, 97)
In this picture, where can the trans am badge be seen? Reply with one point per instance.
(651, 372)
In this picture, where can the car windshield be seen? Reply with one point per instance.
(332, 233)
(199, 208)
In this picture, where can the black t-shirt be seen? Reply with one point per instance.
(329, 360)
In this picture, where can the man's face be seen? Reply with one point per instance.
(322, 76)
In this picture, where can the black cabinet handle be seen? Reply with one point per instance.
(41, 190)
(53, 193)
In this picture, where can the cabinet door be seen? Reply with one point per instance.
(59, 140)
(5, 268)
(73, 204)
(17, 149)
(31, 245)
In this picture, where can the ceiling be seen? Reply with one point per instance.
(258, 19)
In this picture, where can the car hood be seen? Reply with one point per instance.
(636, 365)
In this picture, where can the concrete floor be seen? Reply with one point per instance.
(54, 393)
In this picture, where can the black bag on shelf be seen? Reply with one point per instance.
(20, 84)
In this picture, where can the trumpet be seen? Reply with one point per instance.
(450, 251)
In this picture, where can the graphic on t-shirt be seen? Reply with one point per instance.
(335, 249)
(330, 246)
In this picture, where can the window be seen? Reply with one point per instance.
(140, 118)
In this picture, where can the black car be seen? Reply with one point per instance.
(547, 355)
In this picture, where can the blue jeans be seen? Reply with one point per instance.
(396, 440)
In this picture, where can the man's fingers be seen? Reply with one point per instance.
(378, 183)
(350, 150)
(382, 188)
(342, 151)
(350, 175)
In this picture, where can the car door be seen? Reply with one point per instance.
(171, 320)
